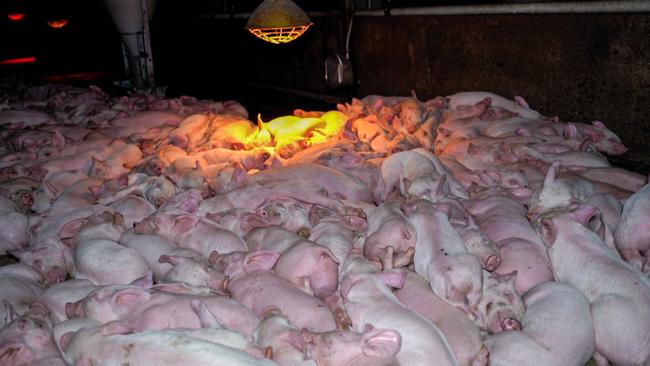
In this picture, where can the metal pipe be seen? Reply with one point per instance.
(333, 13)
(574, 7)
(627, 6)
(296, 92)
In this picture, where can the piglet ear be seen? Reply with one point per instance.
(38, 173)
(522, 193)
(552, 172)
(473, 149)
(65, 339)
(393, 278)
(260, 261)
(507, 278)
(171, 259)
(50, 189)
(73, 228)
(184, 223)
(521, 101)
(239, 174)
(206, 316)
(570, 131)
(130, 297)
(116, 328)
(443, 187)
(380, 342)
(58, 141)
(584, 213)
(190, 205)
(489, 176)
(353, 222)
(96, 191)
(523, 132)
(598, 124)
(145, 281)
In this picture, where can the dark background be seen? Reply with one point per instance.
(580, 67)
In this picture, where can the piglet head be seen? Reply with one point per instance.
(16, 353)
(113, 302)
(342, 348)
(234, 264)
(147, 226)
(500, 307)
(193, 273)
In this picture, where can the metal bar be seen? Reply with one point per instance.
(332, 13)
(147, 62)
(628, 6)
(296, 92)
(573, 7)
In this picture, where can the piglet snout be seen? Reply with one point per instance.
(492, 262)
(510, 324)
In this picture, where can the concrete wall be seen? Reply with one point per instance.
(579, 67)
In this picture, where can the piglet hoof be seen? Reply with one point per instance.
(343, 321)
(482, 358)
(268, 352)
(511, 324)
(270, 311)
(404, 258)
(492, 262)
(214, 257)
(224, 286)
(387, 258)
(304, 232)
(118, 219)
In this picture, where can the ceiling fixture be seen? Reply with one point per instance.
(57, 23)
(278, 21)
(15, 16)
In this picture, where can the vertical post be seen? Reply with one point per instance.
(146, 57)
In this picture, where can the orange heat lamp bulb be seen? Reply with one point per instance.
(58, 23)
(20, 60)
(16, 17)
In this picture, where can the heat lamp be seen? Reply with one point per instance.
(278, 21)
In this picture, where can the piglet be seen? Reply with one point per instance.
(145, 309)
(169, 263)
(27, 340)
(440, 256)
(371, 347)
(276, 332)
(462, 334)
(254, 285)
(557, 329)
(618, 293)
(20, 286)
(632, 234)
(368, 300)
(501, 308)
(388, 227)
(192, 232)
(56, 296)
(116, 342)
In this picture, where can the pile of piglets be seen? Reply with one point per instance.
(463, 230)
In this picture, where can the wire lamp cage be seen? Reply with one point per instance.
(278, 21)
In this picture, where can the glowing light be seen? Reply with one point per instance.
(280, 34)
(278, 21)
(20, 60)
(57, 23)
(16, 17)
